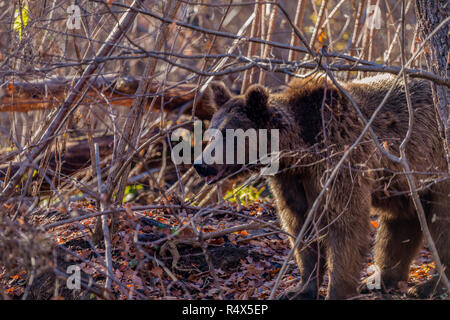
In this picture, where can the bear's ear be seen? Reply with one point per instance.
(219, 93)
(256, 100)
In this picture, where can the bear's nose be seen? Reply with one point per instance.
(204, 170)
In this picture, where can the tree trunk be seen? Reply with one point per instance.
(430, 13)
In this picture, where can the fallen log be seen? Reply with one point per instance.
(76, 157)
(24, 96)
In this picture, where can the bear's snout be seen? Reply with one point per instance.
(205, 170)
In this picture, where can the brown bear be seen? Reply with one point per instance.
(317, 124)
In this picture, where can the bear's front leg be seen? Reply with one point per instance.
(347, 245)
(311, 263)
(292, 206)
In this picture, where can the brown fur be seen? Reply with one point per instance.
(313, 137)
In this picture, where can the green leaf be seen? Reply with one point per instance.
(21, 20)
(131, 191)
(244, 194)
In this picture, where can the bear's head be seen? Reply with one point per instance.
(237, 133)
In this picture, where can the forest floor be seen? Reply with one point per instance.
(154, 257)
